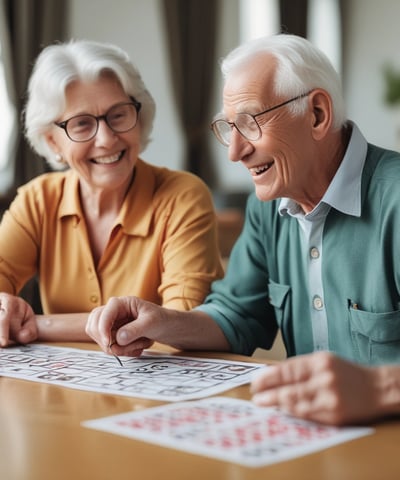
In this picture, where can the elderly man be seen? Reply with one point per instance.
(318, 255)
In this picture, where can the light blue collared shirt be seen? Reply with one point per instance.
(343, 194)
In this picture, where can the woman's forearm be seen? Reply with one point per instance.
(62, 327)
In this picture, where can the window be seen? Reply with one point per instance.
(8, 116)
(261, 17)
(258, 18)
(324, 29)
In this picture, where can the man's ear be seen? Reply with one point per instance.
(322, 112)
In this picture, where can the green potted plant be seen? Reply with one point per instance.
(391, 77)
(392, 84)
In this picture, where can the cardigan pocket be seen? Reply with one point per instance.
(375, 336)
(278, 297)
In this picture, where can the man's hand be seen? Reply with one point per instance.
(135, 324)
(121, 322)
(323, 388)
(17, 321)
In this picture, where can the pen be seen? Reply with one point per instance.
(115, 356)
(352, 304)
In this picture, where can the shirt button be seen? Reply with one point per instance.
(94, 298)
(314, 252)
(318, 304)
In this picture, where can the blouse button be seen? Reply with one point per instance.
(314, 252)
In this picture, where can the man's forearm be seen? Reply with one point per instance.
(193, 330)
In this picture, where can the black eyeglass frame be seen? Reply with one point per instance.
(233, 124)
(64, 123)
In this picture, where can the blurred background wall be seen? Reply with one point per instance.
(371, 39)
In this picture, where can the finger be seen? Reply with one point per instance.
(317, 410)
(291, 371)
(91, 327)
(268, 377)
(4, 326)
(28, 333)
(295, 399)
(283, 397)
(102, 320)
(99, 326)
(17, 320)
(11, 318)
(131, 349)
(265, 398)
(92, 330)
(310, 400)
(116, 311)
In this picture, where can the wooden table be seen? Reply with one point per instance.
(41, 438)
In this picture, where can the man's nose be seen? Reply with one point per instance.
(238, 147)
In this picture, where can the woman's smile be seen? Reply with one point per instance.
(107, 160)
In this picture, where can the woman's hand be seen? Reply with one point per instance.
(17, 321)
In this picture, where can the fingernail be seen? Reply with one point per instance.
(262, 398)
(123, 337)
(257, 398)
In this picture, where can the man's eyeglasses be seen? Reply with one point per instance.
(120, 118)
(245, 123)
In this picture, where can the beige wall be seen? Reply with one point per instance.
(372, 30)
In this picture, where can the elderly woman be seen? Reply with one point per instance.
(108, 224)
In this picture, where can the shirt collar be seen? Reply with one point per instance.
(70, 204)
(344, 191)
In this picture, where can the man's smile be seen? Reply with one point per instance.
(255, 171)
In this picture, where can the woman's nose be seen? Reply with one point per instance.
(105, 136)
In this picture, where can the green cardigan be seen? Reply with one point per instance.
(265, 287)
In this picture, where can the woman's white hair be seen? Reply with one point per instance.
(78, 60)
(301, 67)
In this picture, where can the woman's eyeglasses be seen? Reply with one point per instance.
(120, 119)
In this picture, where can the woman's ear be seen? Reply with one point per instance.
(322, 113)
(51, 142)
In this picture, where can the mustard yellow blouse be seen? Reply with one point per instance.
(163, 245)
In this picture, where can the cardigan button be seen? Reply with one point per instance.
(318, 303)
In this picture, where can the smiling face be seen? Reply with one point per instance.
(107, 161)
(283, 161)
